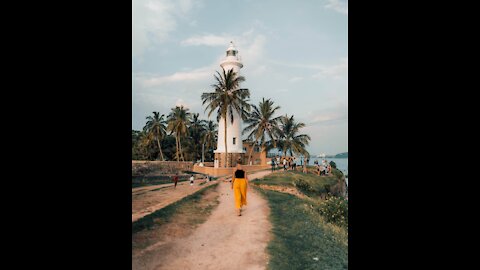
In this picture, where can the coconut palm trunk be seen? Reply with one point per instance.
(251, 151)
(160, 147)
(181, 151)
(176, 147)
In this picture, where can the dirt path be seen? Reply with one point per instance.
(224, 241)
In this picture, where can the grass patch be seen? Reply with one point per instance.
(150, 180)
(192, 172)
(315, 184)
(189, 205)
(154, 180)
(203, 183)
(301, 237)
(158, 188)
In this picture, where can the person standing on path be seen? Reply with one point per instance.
(191, 180)
(175, 180)
(273, 164)
(239, 186)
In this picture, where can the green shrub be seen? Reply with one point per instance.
(337, 173)
(333, 164)
(338, 189)
(335, 210)
(303, 185)
(327, 189)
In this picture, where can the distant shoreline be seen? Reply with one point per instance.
(341, 155)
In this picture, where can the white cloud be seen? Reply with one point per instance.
(204, 75)
(250, 45)
(154, 20)
(184, 6)
(340, 6)
(307, 66)
(253, 52)
(329, 115)
(337, 71)
(207, 40)
(148, 80)
(295, 79)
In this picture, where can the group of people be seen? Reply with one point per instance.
(288, 163)
(323, 168)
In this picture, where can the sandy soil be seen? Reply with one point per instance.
(224, 241)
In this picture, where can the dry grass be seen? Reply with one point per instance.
(176, 220)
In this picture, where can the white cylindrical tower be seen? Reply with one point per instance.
(234, 129)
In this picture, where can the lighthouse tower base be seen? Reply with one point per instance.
(232, 159)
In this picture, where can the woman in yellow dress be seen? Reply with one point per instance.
(239, 186)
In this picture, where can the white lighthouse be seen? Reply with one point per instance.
(234, 129)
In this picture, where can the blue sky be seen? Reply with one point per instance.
(294, 52)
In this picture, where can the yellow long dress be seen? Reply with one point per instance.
(240, 191)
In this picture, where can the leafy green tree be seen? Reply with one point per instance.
(262, 124)
(289, 139)
(156, 125)
(209, 137)
(177, 124)
(196, 128)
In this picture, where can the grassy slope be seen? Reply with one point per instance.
(288, 178)
(300, 235)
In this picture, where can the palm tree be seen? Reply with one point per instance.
(177, 123)
(227, 99)
(156, 125)
(262, 124)
(210, 135)
(289, 139)
(135, 144)
(145, 141)
(197, 129)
